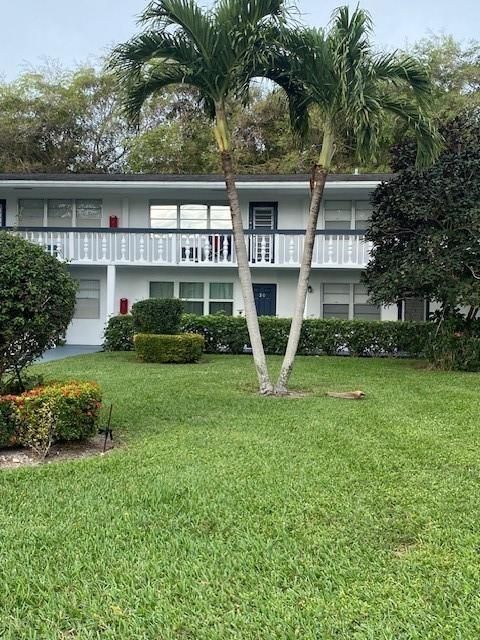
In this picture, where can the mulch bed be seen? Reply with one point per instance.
(16, 457)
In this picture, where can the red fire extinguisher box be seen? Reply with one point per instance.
(123, 306)
(113, 222)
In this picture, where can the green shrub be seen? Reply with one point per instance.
(56, 412)
(224, 334)
(118, 334)
(8, 423)
(183, 348)
(37, 301)
(454, 352)
(156, 315)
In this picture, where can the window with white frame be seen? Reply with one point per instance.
(190, 216)
(363, 309)
(221, 298)
(344, 301)
(336, 301)
(55, 212)
(338, 214)
(192, 294)
(88, 300)
(162, 289)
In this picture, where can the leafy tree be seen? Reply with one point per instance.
(218, 52)
(353, 88)
(55, 121)
(425, 227)
(37, 303)
(455, 72)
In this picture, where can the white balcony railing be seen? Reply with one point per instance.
(208, 248)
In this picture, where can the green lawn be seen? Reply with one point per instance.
(227, 515)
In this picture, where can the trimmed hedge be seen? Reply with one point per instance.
(228, 334)
(69, 411)
(355, 337)
(180, 349)
(156, 315)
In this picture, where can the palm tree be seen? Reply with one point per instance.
(217, 52)
(354, 89)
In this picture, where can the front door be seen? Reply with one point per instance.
(265, 299)
(415, 309)
(263, 220)
(3, 213)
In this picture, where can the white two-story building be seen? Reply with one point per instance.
(129, 237)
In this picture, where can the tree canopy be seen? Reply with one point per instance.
(425, 226)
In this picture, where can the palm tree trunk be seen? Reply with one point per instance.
(245, 277)
(318, 179)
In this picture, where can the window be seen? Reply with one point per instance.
(31, 212)
(193, 216)
(161, 290)
(59, 213)
(336, 301)
(190, 216)
(362, 308)
(221, 298)
(363, 213)
(338, 214)
(88, 213)
(192, 294)
(220, 217)
(163, 216)
(88, 300)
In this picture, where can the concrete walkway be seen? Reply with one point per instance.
(68, 350)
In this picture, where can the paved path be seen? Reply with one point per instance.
(68, 350)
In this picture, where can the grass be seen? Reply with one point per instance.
(227, 515)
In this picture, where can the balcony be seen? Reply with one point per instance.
(210, 248)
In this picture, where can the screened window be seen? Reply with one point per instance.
(362, 308)
(363, 213)
(192, 294)
(336, 301)
(221, 298)
(89, 213)
(59, 213)
(163, 216)
(338, 214)
(88, 300)
(31, 212)
(161, 289)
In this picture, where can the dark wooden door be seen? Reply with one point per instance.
(3, 213)
(265, 299)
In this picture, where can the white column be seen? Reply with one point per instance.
(111, 278)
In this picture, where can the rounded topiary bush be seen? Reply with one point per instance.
(179, 349)
(118, 334)
(155, 315)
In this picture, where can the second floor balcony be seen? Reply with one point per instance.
(186, 247)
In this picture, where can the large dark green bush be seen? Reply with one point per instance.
(37, 301)
(156, 315)
(118, 334)
(174, 349)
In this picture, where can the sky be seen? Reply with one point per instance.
(72, 33)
